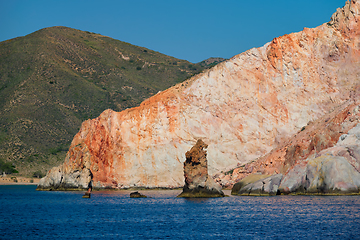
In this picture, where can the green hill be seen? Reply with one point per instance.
(54, 79)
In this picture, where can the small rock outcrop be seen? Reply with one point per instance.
(247, 180)
(78, 177)
(322, 175)
(88, 193)
(137, 195)
(198, 183)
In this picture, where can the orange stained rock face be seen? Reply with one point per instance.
(243, 108)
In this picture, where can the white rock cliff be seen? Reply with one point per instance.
(242, 108)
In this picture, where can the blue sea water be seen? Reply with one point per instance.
(29, 214)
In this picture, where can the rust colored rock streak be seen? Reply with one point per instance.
(242, 108)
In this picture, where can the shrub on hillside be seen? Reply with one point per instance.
(38, 174)
(6, 167)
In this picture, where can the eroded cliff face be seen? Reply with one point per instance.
(242, 108)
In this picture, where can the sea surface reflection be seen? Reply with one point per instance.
(28, 214)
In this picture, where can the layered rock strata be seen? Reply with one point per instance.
(198, 183)
(243, 108)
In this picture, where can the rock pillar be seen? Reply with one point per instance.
(198, 183)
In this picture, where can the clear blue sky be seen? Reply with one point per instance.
(187, 29)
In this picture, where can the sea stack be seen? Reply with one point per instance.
(198, 183)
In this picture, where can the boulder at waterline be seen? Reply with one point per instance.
(263, 187)
(334, 170)
(86, 195)
(247, 180)
(331, 171)
(60, 178)
(323, 175)
(137, 195)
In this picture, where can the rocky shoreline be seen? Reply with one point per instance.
(288, 111)
(332, 171)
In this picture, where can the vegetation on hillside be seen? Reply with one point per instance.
(7, 168)
(210, 62)
(54, 79)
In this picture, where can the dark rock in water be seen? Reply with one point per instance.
(197, 181)
(86, 195)
(137, 195)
